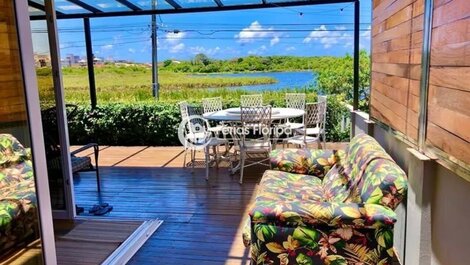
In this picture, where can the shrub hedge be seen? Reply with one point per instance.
(156, 123)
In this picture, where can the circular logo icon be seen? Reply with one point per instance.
(193, 133)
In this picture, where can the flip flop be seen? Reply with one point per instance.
(97, 207)
(103, 210)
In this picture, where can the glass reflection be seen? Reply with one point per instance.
(19, 222)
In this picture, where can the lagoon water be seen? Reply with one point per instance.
(285, 80)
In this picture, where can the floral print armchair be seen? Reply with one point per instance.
(18, 207)
(327, 207)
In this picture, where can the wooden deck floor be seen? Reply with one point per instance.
(203, 220)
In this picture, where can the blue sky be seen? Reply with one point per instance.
(300, 31)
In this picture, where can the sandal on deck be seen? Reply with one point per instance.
(103, 210)
(98, 207)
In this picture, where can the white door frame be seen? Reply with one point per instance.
(69, 212)
(36, 134)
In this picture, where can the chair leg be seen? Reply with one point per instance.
(242, 166)
(193, 158)
(207, 160)
(98, 181)
(184, 157)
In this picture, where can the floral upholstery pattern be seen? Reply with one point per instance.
(305, 161)
(18, 206)
(343, 215)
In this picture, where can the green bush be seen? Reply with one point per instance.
(156, 123)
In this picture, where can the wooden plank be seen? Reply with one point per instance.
(399, 95)
(451, 44)
(400, 17)
(418, 8)
(400, 57)
(390, 80)
(388, 8)
(452, 104)
(451, 77)
(385, 115)
(398, 109)
(393, 33)
(414, 87)
(400, 70)
(448, 142)
(450, 12)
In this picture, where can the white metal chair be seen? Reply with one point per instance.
(295, 101)
(258, 121)
(255, 100)
(314, 130)
(211, 105)
(198, 137)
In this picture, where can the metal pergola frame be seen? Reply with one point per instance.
(178, 8)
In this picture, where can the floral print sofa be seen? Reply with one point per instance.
(327, 207)
(18, 207)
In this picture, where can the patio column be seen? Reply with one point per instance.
(356, 54)
(155, 86)
(89, 58)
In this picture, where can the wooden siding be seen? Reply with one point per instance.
(449, 86)
(397, 30)
(12, 99)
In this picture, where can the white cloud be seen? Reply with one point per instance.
(291, 48)
(256, 31)
(200, 49)
(107, 47)
(275, 40)
(328, 38)
(258, 51)
(177, 48)
(340, 28)
(174, 38)
(366, 34)
(131, 50)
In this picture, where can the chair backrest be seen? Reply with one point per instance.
(256, 119)
(321, 98)
(255, 100)
(295, 100)
(211, 104)
(184, 110)
(315, 115)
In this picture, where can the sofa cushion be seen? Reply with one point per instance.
(304, 161)
(383, 182)
(290, 186)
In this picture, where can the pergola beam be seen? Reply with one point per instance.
(90, 61)
(85, 6)
(41, 7)
(173, 4)
(195, 9)
(356, 55)
(219, 3)
(129, 5)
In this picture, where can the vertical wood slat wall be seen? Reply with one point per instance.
(397, 33)
(12, 104)
(448, 127)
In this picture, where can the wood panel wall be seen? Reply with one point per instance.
(397, 30)
(448, 125)
(12, 98)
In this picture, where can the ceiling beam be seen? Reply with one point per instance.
(196, 9)
(85, 6)
(219, 3)
(40, 7)
(129, 5)
(174, 4)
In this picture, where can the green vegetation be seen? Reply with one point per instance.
(127, 114)
(202, 64)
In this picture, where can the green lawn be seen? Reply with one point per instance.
(133, 84)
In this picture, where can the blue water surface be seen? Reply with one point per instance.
(285, 80)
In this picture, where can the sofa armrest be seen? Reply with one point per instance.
(312, 213)
(305, 161)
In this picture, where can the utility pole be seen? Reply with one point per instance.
(155, 85)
